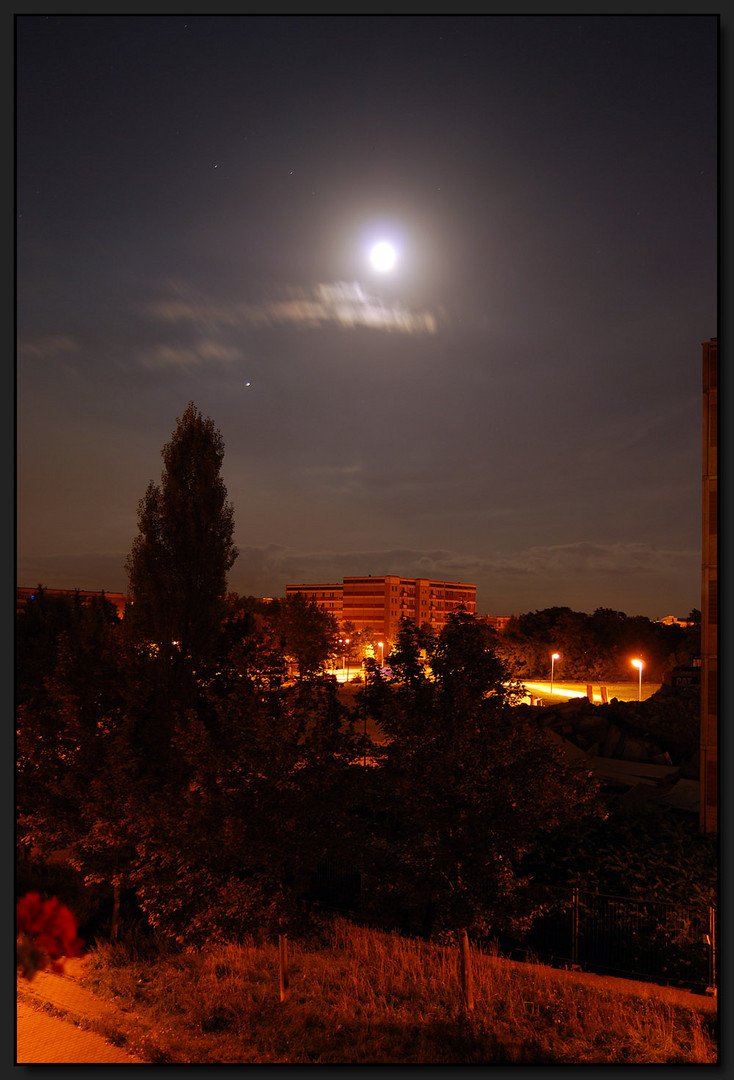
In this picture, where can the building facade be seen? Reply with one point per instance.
(497, 622)
(23, 594)
(379, 603)
(709, 595)
(328, 596)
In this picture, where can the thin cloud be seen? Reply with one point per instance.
(40, 348)
(203, 352)
(339, 303)
(580, 557)
(593, 558)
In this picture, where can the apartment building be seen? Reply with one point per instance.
(379, 603)
(328, 596)
(23, 594)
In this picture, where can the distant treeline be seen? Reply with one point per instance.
(595, 647)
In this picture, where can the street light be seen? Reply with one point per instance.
(639, 665)
(382, 654)
(554, 657)
(346, 642)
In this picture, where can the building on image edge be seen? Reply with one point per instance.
(379, 603)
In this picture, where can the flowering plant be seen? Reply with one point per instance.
(45, 932)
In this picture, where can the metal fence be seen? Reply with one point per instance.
(616, 935)
(648, 939)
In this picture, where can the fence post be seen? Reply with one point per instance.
(467, 987)
(575, 928)
(712, 951)
(283, 964)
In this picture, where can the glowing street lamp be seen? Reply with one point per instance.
(382, 654)
(554, 657)
(346, 653)
(639, 665)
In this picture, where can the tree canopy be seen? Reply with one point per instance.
(179, 561)
(472, 789)
(592, 647)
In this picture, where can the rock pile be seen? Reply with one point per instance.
(628, 744)
(663, 730)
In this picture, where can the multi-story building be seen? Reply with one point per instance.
(379, 603)
(23, 594)
(329, 596)
(497, 622)
(709, 595)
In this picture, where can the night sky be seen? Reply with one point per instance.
(517, 403)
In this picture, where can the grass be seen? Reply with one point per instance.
(367, 997)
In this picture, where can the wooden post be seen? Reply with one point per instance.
(115, 910)
(603, 692)
(711, 988)
(467, 987)
(590, 692)
(283, 958)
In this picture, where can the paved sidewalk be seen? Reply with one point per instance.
(46, 1039)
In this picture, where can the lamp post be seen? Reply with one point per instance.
(346, 653)
(382, 655)
(364, 702)
(344, 642)
(639, 665)
(554, 657)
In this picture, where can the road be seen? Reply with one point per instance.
(564, 691)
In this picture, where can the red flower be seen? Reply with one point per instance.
(46, 931)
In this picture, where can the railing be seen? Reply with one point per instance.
(664, 942)
(615, 935)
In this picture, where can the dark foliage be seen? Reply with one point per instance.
(178, 564)
(471, 788)
(593, 647)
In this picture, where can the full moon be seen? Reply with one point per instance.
(383, 256)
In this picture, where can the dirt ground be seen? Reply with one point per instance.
(50, 1009)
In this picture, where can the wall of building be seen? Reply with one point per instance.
(379, 603)
(23, 594)
(329, 596)
(709, 594)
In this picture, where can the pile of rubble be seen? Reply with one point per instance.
(639, 750)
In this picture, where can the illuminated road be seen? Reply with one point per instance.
(564, 691)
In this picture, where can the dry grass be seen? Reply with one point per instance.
(367, 997)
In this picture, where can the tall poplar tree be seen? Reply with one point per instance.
(177, 568)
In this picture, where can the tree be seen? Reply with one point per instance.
(232, 843)
(79, 742)
(41, 626)
(178, 564)
(309, 635)
(473, 788)
(409, 655)
(592, 647)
